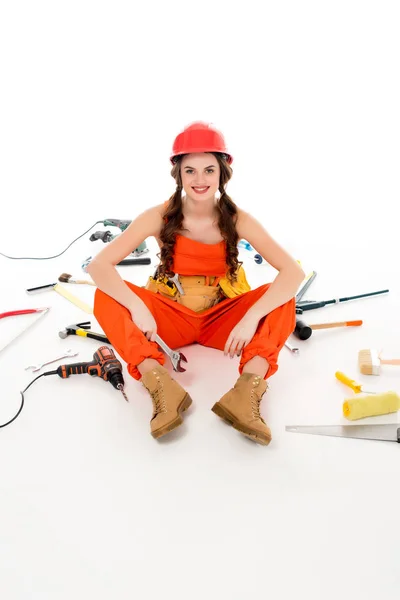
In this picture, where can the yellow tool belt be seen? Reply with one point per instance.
(200, 291)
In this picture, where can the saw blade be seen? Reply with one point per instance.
(388, 432)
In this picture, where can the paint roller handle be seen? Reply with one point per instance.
(349, 382)
(390, 361)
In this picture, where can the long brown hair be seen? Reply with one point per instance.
(227, 217)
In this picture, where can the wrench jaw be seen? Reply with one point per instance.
(176, 362)
(175, 357)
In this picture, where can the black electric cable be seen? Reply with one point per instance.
(22, 396)
(49, 257)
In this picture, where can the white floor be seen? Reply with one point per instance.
(92, 505)
(93, 94)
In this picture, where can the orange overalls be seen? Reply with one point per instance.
(179, 326)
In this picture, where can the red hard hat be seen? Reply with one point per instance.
(199, 137)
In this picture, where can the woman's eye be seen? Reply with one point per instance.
(190, 171)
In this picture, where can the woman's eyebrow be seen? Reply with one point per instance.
(188, 167)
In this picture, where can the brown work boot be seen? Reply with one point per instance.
(240, 407)
(169, 400)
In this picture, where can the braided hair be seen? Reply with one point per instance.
(227, 218)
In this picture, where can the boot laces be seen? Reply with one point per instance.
(255, 404)
(157, 397)
(158, 400)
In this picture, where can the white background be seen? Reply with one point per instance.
(92, 95)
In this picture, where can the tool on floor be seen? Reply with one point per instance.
(361, 407)
(308, 281)
(304, 331)
(63, 292)
(370, 361)
(389, 432)
(27, 311)
(312, 304)
(356, 323)
(104, 365)
(81, 330)
(291, 348)
(257, 257)
(67, 278)
(175, 357)
(124, 262)
(356, 387)
(67, 354)
(107, 236)
(134, 261)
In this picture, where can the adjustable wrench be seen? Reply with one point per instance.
(175, 357)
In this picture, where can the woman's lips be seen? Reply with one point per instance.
(201, 190)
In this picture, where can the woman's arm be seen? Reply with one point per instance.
(102, 267)
(290, 274)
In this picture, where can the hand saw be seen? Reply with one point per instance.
(26, 311)
(388, 432)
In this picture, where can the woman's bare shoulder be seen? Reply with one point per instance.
(242, 221)
(155, 215)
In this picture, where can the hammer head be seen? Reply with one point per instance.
(71, 329)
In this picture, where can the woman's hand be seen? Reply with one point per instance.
(241, 335)
(143, 318)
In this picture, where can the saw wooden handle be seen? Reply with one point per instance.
(337, 324)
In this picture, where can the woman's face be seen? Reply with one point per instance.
(200, 175)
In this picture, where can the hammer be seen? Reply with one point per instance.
(81, 329)
(304, 331)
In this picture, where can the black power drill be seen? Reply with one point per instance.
(104, 365)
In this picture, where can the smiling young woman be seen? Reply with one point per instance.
(209, 300)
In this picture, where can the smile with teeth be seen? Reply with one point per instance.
(201, 190)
